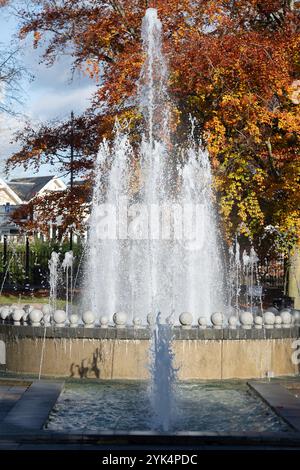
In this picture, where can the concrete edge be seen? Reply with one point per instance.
(280, 400)
(33, 408)
(129, 333)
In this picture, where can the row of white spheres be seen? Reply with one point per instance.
(29, 313)
(35, 316)
(269, 319)
(247, 320)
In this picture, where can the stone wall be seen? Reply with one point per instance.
(123, 354)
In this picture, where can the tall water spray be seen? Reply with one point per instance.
(163, 374)
(153, 240)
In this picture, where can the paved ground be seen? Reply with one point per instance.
(9, 395)
(33, 407)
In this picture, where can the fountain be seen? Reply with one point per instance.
(153, 246)
(153, 242)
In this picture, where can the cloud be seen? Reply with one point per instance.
(50, 95)
(48, 104)
(45, 104)
(8, 126)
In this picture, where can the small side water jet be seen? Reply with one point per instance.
(252, 282)
(48, 312)
(67, 265)
(54, 265)
(235, 277)
(245, 291)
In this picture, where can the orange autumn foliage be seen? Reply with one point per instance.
(233, 65)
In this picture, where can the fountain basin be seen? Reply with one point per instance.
(123, 353)
(226, 407)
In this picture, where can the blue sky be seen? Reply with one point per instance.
(49, 96)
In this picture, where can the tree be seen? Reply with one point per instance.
(10, 75)
(234, 65)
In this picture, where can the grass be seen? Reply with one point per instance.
(18, 298)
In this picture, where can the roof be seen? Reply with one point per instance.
(27, 188)
(11, 193)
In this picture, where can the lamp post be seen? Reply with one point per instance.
(71, 171)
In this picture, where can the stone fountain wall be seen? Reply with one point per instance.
(123, 353)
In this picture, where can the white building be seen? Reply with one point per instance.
(20, 191)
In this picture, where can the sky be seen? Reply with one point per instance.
(50, 95)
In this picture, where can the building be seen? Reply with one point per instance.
(20, 191)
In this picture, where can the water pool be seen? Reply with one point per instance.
(202, 406)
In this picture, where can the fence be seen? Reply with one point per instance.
(273, 273)
(24, 264)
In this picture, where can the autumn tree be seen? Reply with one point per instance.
(11, 72)
(234, 65)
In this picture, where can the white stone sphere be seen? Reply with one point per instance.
(35, 317)
(246, 320)
(60, 317)
(17, 315)
(202, 322)
(258, 322)
(232, 322)
(137, 322)
(150, 319)
(286, 319)
(47, 309)
(88, 319)
(296, 316)
(217, 320)
(278, 321)
(4, 313)
(104, 321)
(186, 319)
(74, 319)
(269, 319)
(120, 319)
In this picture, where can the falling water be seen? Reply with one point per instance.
(152, 242)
